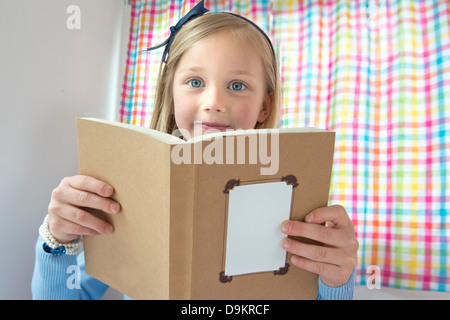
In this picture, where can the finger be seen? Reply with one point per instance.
(313, 252)
(310, 265)
(315, 232)
(79, 218)
(65, 231)
(62, 226)
(90, 184)
(333, 216)
(82, 198)
(335, 276)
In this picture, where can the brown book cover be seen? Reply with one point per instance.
(200, 219)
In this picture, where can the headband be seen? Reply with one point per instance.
(196, 12)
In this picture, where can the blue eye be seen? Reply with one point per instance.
(237, 86)
(195, 83)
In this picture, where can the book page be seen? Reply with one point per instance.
(214, 134)
(161, 136)
(255, 215)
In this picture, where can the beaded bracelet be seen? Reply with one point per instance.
(51, 245)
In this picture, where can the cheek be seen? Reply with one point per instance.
(183, 111)
(180, 114)
(247, 116)
(178, 103)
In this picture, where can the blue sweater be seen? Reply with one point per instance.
(53, 279)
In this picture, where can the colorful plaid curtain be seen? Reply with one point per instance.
(378, 74)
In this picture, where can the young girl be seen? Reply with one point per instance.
(219, 71)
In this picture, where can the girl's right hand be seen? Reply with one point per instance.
(67, 220)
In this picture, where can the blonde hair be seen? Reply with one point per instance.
(163, 118)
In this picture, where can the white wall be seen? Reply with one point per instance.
(49, 75)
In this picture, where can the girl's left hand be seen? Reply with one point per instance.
(335, 260)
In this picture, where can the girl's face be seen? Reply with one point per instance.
(219, 84)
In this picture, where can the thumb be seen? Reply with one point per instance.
(333, 216)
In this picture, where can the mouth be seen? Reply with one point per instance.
(213, 126)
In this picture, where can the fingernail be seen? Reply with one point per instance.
(114, 208)
(329, 224)
(309, 218)
(108, 229)
(286, 226)
(108, 190)
(285, 243)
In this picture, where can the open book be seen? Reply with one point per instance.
(201, 218)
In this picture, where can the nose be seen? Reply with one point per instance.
(214, 100)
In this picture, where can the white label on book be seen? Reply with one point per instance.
(255, 215)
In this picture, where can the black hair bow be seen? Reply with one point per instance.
(195, 12)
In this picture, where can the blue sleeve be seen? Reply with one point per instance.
(344, 292)
(63, 278)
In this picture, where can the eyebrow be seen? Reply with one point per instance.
(192, 69)
(243, 73)
(234, 72)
